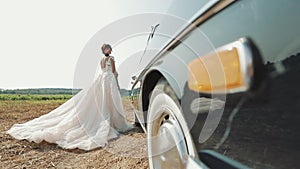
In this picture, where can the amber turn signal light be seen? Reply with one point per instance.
(228, 69)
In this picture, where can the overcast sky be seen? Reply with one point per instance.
(41, 41)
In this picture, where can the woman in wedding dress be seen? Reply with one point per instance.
(86, 121)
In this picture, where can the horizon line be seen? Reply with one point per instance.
(47, 88)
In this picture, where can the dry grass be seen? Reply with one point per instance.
(128, 151)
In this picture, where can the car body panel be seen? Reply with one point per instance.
(264, 132)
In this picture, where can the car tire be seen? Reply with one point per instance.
(169, 142)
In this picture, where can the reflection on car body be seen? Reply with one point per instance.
(223, 92)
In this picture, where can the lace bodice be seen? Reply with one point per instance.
(107, 65)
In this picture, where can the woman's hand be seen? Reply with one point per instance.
(116, 74)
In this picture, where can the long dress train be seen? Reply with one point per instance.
(86, 121)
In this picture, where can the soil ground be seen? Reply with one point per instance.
(127, 151)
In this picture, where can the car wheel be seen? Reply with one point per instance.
(168, 139)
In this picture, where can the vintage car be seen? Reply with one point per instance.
(222, 92)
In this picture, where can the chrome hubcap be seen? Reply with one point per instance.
(168, 143)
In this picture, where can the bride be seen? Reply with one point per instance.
(86, 121)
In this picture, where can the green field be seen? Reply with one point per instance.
(50, 93)
(35, 96)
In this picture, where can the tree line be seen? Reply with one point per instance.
(42, 91)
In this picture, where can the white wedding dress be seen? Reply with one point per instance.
(86, 121)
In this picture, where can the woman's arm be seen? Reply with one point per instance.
(113, 67)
